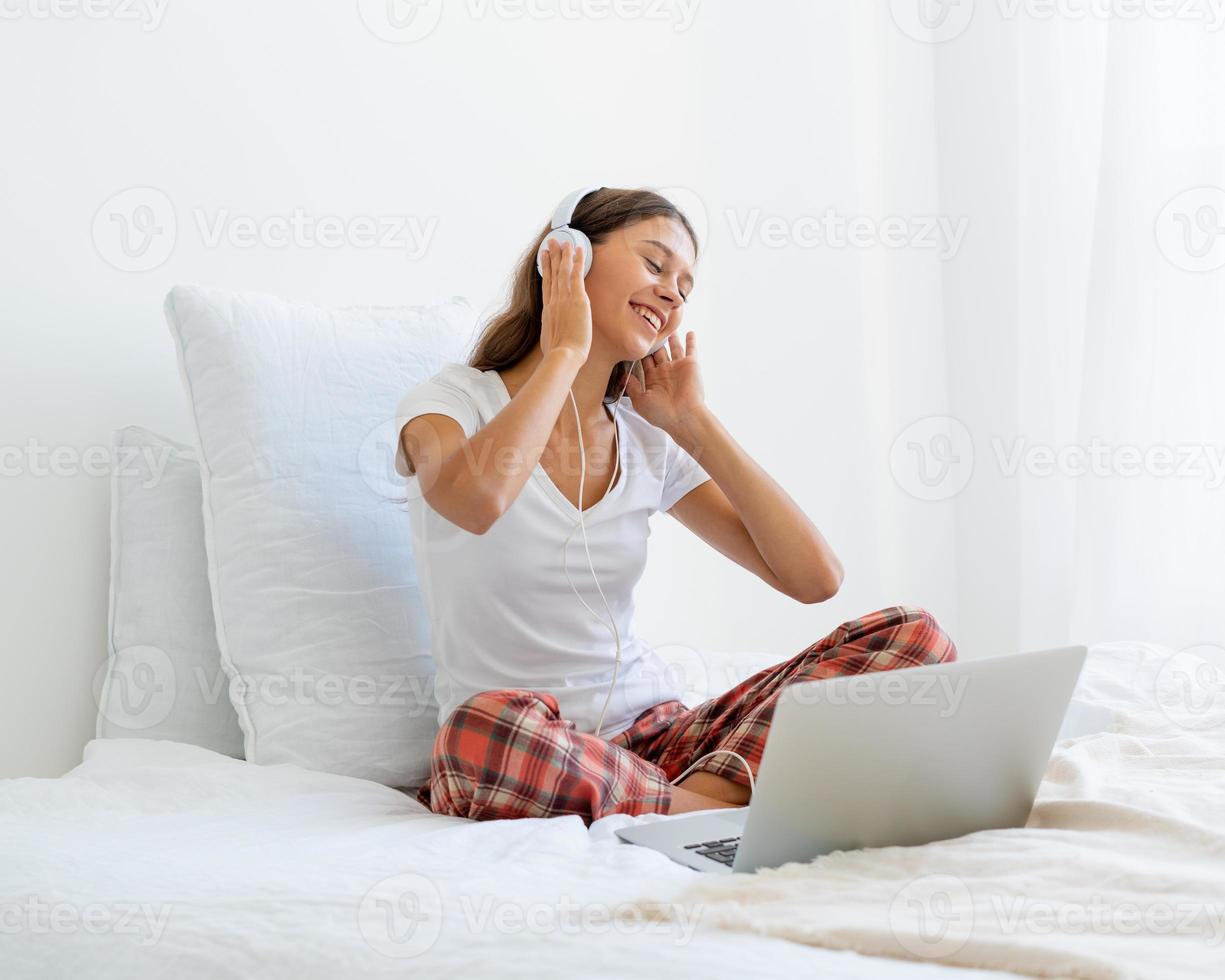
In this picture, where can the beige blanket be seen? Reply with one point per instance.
(1120, 871)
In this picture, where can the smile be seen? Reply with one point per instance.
(649, 315)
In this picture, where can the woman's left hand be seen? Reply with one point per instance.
(673, 389)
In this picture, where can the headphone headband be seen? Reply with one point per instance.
(561, 232)
(565, 211)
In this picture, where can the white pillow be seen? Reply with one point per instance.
(319, 617)
(163, 676)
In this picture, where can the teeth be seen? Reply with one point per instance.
(655, 322)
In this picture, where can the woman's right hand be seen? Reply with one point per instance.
(566, 320)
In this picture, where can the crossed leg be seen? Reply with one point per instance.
(509, 753)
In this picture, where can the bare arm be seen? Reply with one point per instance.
(471, 482)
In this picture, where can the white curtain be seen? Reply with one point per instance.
(1045, 404)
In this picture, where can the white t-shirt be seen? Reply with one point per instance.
(502, 613)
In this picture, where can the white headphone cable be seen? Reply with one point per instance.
(612, 623)
(743, 761)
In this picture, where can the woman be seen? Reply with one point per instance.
(522, 668)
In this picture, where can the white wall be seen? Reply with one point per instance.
(260, 109)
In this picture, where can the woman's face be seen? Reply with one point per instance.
(640, 272)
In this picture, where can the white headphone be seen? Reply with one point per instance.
(561, 232)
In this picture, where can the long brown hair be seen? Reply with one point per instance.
(514, 332)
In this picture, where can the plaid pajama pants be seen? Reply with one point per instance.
(506, 754)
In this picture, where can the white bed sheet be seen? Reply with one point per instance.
(155, 858)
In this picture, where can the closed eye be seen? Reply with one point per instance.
(657, 269)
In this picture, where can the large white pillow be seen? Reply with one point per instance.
(163, 676)
(320, 620)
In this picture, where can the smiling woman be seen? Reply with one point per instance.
(578, 339)
(525, 676)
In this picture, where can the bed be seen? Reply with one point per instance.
(158, 858)
(218, 828)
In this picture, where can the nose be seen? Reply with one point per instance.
(671, 296)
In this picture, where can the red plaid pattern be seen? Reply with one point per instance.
(507, 754)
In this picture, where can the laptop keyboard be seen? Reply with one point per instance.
(723, 851)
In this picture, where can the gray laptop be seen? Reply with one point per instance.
(890, 757)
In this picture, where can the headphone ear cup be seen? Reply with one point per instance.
(582, 241)
(561, 236)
